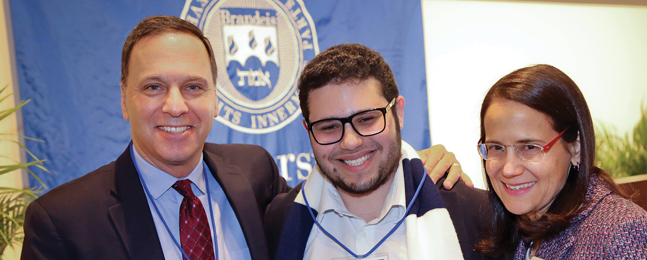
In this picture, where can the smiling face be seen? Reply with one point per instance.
(356, 164)
(170, 100)
(523, 186)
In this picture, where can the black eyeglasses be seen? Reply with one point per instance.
(365, 123)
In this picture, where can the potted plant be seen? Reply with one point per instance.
(14, 201)
(625, 158)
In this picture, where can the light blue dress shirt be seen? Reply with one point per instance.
(230, 238)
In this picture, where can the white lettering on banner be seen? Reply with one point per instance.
(302, 162)
(301, 165)
(283, 165)
(256, 78)
(298, 16)
(228, 19)
(276, 116)
(196, 12)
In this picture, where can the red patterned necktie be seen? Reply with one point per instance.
(195, 235)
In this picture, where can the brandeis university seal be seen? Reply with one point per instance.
(260, 47)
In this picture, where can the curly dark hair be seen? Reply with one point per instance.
(343, 63)
(159, 24)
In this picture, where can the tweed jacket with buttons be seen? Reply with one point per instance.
(607, 227)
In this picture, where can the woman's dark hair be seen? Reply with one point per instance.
(548, 90)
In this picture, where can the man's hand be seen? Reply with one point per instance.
(438, 160)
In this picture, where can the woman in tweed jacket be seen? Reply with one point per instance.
(548, 198)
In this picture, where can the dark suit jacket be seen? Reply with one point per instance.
(105, 215)
(462, 202)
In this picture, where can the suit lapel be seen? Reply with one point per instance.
(131, 217)
(241, 196)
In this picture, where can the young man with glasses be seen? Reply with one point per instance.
(368, 197)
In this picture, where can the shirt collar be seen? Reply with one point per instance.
(158, 181)
(331, 201)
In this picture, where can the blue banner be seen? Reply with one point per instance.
(68, 61)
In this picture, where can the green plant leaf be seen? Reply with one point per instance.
(13, 203)
(10, 218)
(27, 150)
(8, 168)
(9, 111)
(640, 131)
(32, 139)
(36, 177)
(9, 158)
(22, 136)
(5, 97)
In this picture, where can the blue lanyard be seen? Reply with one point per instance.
(148, 193)
(334, 239)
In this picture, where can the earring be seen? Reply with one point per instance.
(575, 167)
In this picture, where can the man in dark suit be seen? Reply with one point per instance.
(169, 97)
(105, 215)
(356, 201)
(129, 208)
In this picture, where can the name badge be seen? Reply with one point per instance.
(376, 256)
